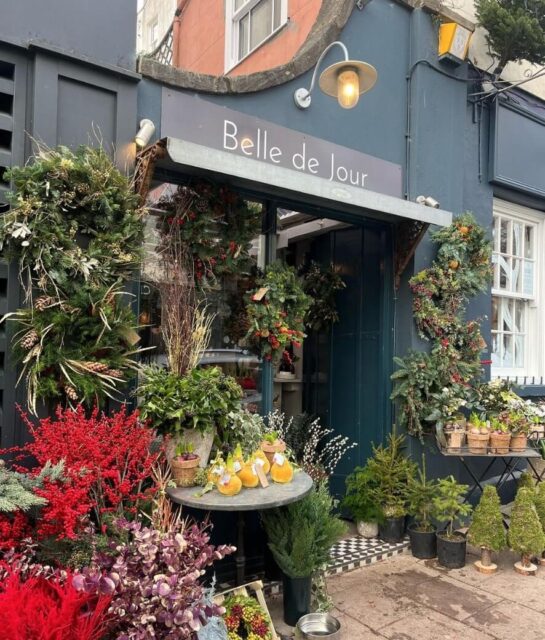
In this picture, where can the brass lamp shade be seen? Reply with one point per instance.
(367, 75)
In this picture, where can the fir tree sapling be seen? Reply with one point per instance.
(525, 533)
(526, 480)
(359, 496)
(420, 499)
(486, 530)
(448, 505)
(540, 505)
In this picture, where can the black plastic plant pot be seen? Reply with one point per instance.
(451, 552)
(392, 529)
(423, 543)
(296, 598)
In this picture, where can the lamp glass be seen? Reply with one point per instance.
(348, 88)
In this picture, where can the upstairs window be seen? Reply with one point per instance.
(249, 24)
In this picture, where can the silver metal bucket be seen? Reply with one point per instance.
(318, 626)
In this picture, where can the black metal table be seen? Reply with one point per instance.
(258, 499)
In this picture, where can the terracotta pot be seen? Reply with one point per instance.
(184, 471)
(478, 442)
(269, 449)
(499, 443)
(519, 442)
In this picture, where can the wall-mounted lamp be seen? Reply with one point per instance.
(453, 42)
(428, 201)
(145, 133)
(345, 80)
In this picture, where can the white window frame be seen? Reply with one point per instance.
(534, 343)
(232, 21)
(153, 26)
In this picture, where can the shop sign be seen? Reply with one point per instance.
(188, 117)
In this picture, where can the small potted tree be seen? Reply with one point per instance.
(422, 532)
(486, 530)
(393, 472)
(540, 508)
(448, 507)
(525, 533)
(360, 502)
(185, 465)
(300, 538)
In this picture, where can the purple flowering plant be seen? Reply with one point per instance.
(154, 581)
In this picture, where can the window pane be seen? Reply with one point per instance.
(261, 23)
(519, 306)
(277, 13)
(503, 236)
(528, 241)
(507, 351)
(496, 350)
(506, 315)
(528, 283)
(516, 249)
(519, 351)
(516, 276)
(504, 269)
(243, 36)
(239, 4)
(495, 314)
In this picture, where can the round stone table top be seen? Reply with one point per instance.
(275, 495)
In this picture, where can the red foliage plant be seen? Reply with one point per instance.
(106, 458)
(51, 609)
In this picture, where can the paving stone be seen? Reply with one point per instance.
(353, 629)
(432, 626)
(525, 590)
(510, 621)
(451, 597)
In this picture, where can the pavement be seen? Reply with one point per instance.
(407, 599)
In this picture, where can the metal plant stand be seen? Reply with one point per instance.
(258, 499)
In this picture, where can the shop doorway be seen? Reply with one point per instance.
(344, 374)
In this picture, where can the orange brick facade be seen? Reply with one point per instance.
(199, 38)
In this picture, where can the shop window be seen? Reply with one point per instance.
(517, 343)
(249, 23)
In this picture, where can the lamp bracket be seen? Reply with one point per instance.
(302, 96)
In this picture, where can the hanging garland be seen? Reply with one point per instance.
(431, 385)
(76, 230)
(276, 311)
(245, 618)
(217, 225)
(322, 285)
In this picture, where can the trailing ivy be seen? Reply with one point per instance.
(76, 231)
(430, 387)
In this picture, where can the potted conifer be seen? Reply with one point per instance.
(525, 533)
(486, 530)
(392, 471)
(422, 532)
(360, 502)
(448, 507)
(540, 508)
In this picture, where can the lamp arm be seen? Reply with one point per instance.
(320, 59)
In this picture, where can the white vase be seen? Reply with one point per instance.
(367, 529)
(202, 444)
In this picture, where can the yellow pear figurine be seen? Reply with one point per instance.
(248, 475)
(229, 483)
(261, 458)
(281, 470)
(238, 459)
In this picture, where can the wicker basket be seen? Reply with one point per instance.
(455, 439)
(477, 442)
(184, 471)
(499, 443)
(519, 442)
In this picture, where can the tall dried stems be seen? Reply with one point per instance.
(163, 516)
(185, 323)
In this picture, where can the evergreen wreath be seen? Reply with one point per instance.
(245, 618)
(216, 225)
(322, 284)
(425, 383)
(76, 230)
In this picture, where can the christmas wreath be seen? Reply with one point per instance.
(276, 311)
(216, 225)
(246, 619)
(322, 284)
(76, 231)
(432, 386)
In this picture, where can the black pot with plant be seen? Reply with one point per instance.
(422, 530)
(393, 472)
(300, 537)
(449, 507)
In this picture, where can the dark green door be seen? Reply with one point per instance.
(352, 363)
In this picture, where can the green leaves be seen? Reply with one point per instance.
(486, 529)
(525, 532)
(448, 504)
